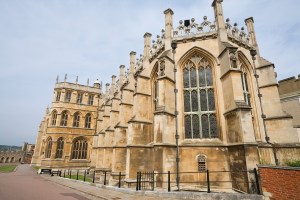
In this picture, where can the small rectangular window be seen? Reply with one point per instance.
(68, 97)
(91, 100)
(79, 98)
(58, 96)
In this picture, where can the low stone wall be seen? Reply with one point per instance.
(280, 182)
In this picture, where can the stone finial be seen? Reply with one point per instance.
(65, 78)
(168, 28)
(250, 27)
(88, 82)
(147, 43)
(132, 62)
(122, 74)
(219, 18)
(57, 78)
(76, 80)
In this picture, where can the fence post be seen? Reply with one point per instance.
(119, 179)
(64, 173)
(140, 182)
(77, 174)
(257, 181)
(94, 176)
(169, 182)
(70, 174)
(84, 176)
(104, 177)
(137, 180)
(207, 180)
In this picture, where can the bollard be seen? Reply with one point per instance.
(119, 179)
(169, 181)
(94, 176)
(208, 183)
(105, 178)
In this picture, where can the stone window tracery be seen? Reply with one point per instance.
(91, 100)
(68, 96)
(54, 118)
(245, 86)
(199, 102)
(58, 96)
(76, 119)
(48, 148)
(59, 148)
(79, 98)
(64, 118)
(79, 150)
(88, 120)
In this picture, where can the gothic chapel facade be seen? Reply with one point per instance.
(200, 97)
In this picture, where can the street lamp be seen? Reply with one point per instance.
(174, 46)
(253, 53)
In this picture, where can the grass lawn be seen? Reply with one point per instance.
(7, 168)
(36, 168)
(80, 177)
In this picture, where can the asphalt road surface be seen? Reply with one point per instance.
(26, 184)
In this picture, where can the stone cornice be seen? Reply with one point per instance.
(230, 71)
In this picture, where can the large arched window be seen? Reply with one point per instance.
(48, 148)
(245, 86)
(54, 117)
(59, 148)
(64, 118)
(79, 150)
(199, 101)
(88, 120)
(76, 119)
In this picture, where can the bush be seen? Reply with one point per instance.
(294, 163)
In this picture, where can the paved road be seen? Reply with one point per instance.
(25, 184)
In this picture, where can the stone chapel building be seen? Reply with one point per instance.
(200, 97)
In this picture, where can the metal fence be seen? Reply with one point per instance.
(245, 181)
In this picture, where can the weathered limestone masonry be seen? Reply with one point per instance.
(221, 123)
(68, 126)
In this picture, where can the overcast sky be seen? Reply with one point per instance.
(40, 39)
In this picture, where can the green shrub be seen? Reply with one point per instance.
(293, 163)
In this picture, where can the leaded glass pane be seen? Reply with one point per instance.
(193, 77)
(205, 126)
(194, 100)
(196, 131)
(187, 125)
(203, 100)
(246, 84)
(213, 126)
(187, 106)
(201, 77)
(185, 78)
(209, 76)
(211, 100)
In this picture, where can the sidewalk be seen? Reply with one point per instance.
(114, 193)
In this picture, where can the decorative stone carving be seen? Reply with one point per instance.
(235, 33)
(233, 59)
(193, 28)
(162, 68)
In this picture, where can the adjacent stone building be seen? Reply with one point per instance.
(200, 97)
(289, 91)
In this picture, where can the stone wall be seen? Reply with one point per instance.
(280, 182)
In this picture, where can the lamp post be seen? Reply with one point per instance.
(174, 46)
(253, 53)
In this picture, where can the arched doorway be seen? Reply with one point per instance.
(12, 160)
(2, 160)
(7, 160)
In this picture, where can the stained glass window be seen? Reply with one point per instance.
(59, 148)
(199, 99)
(245, 86)
(188, 126)
(79, 150)
(48, 148)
